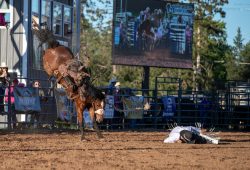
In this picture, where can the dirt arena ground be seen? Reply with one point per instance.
(120, 150)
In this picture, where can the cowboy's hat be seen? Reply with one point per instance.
(117, 84)
(3, 64)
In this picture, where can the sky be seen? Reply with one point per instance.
(237, 15)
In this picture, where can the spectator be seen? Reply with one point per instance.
(2, 91)
(2, 19)
(4, 78)
(147, 14)
(9, 99)
(4, 75)
(35, 116)
(118, 115)
(140, 18)
(111, 86)
(41, 94)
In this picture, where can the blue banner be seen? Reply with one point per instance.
(64, 106)
(169, 106)
(27, 99)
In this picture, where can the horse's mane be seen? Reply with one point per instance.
(94, 92)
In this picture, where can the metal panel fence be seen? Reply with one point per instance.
(10, 117)
(143, 108)
(220, 109)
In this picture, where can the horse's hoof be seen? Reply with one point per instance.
(84, 140)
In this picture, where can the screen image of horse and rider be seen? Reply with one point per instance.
(153, 33)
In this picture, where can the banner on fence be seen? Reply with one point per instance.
(133, 107)
(109, 107)
(87, 119)
(169, 106)
(66, 108)
(26, 99)
(63, 105)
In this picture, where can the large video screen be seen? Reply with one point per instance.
(152, 33)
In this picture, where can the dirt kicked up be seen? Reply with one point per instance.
(120, 150)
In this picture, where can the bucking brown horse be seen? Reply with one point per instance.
(76, 82)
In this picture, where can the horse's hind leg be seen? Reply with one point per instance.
(79, 110)
(81, 129)
(81, 132)
(99, 134)
(79, 117)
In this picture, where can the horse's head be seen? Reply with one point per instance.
(99, 105)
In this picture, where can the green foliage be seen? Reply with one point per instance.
(245, 53)
(96, 43)
(129, 76)
(238, 46)
(234, 59)
(209, 43)
(98, 51)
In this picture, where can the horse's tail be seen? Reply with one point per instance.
(45, 35)
(53, 43)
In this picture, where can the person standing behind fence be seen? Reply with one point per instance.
(9, 99)
(111, 86)
(4, 79)
(41, 94)
(118, 115)
(2, 19)
(35, 116)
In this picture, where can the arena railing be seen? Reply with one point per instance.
(222, 108)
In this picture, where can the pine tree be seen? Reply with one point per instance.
(96, 43)
(234, 59)
(209, 44)
(245, 54)
(238, 45)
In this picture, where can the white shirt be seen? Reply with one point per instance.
(175, 133)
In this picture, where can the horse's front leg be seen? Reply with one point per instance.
(92, 116)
